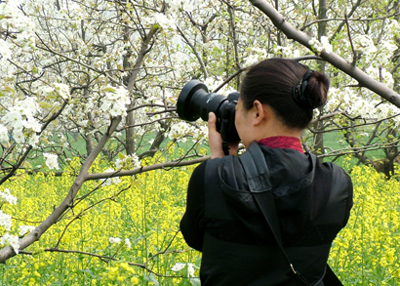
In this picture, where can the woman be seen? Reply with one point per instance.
(312, 200)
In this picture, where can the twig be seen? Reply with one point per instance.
(146, 169)
(230, 78)
(355, 54)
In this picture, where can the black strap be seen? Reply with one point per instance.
(258, 179)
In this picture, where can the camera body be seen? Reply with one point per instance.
(196, 101)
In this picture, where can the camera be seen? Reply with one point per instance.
(195, 101)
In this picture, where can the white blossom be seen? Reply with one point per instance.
(51, 161)
(127, 161)
(109, 181)
(190, 269)
(316, 46)
(116, 240)
(5, 51)
(11, 240)
(115, 101)
(365, 44)
(128, 243)
(6, 197)
(14, 118)
(5, 220)
(178, 266)
(164, 21)
(23, 229)
(3, 133)
(18, 136)
(325, 44)
(179, 131)
(62, 90)
(33, 140)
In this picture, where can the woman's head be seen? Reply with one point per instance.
(278, 84)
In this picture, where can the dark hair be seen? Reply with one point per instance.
(272, 82)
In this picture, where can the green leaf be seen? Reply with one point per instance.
(111, 89)
(88, 271)
(9, 89)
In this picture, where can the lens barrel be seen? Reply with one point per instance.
(195, 101)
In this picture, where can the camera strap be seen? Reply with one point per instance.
(258, 179)
(225, 147)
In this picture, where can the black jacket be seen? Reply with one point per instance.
(222, 220)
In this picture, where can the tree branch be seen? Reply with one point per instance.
(292, 33)
(7, 252)
(145, 169)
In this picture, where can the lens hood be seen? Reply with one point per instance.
(185, 98)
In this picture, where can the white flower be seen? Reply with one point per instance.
(126, 161)
(365, 44)
(14, 118)
(109, 181)
(325, 44)
(5, 220)
(7, 197)
(3, 133)
(316, 45)
(27, 107)
(33, 140)
(62, 90)
(23, 229)
(116, 240)
(128, 243)
(11, 240)
(115, 101)
(178, 266)
(5, 51)
(32, 123)
(190, 269)
(178, 131)
(45, 90)
(164, 21)
(18, 136)
(51, 161)
(312, 42)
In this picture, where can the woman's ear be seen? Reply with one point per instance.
(259, 112)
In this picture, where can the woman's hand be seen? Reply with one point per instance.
(215, 139)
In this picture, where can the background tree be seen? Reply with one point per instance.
(101, 78)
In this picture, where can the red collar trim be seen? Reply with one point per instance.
(282, 142)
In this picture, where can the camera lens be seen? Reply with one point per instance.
(195, 101)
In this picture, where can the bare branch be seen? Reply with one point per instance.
(355, 54)
(203, 66)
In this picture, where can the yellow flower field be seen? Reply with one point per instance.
(128, 234)
(367, 251)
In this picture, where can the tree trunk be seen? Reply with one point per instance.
(130, 120)
(319, 147)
